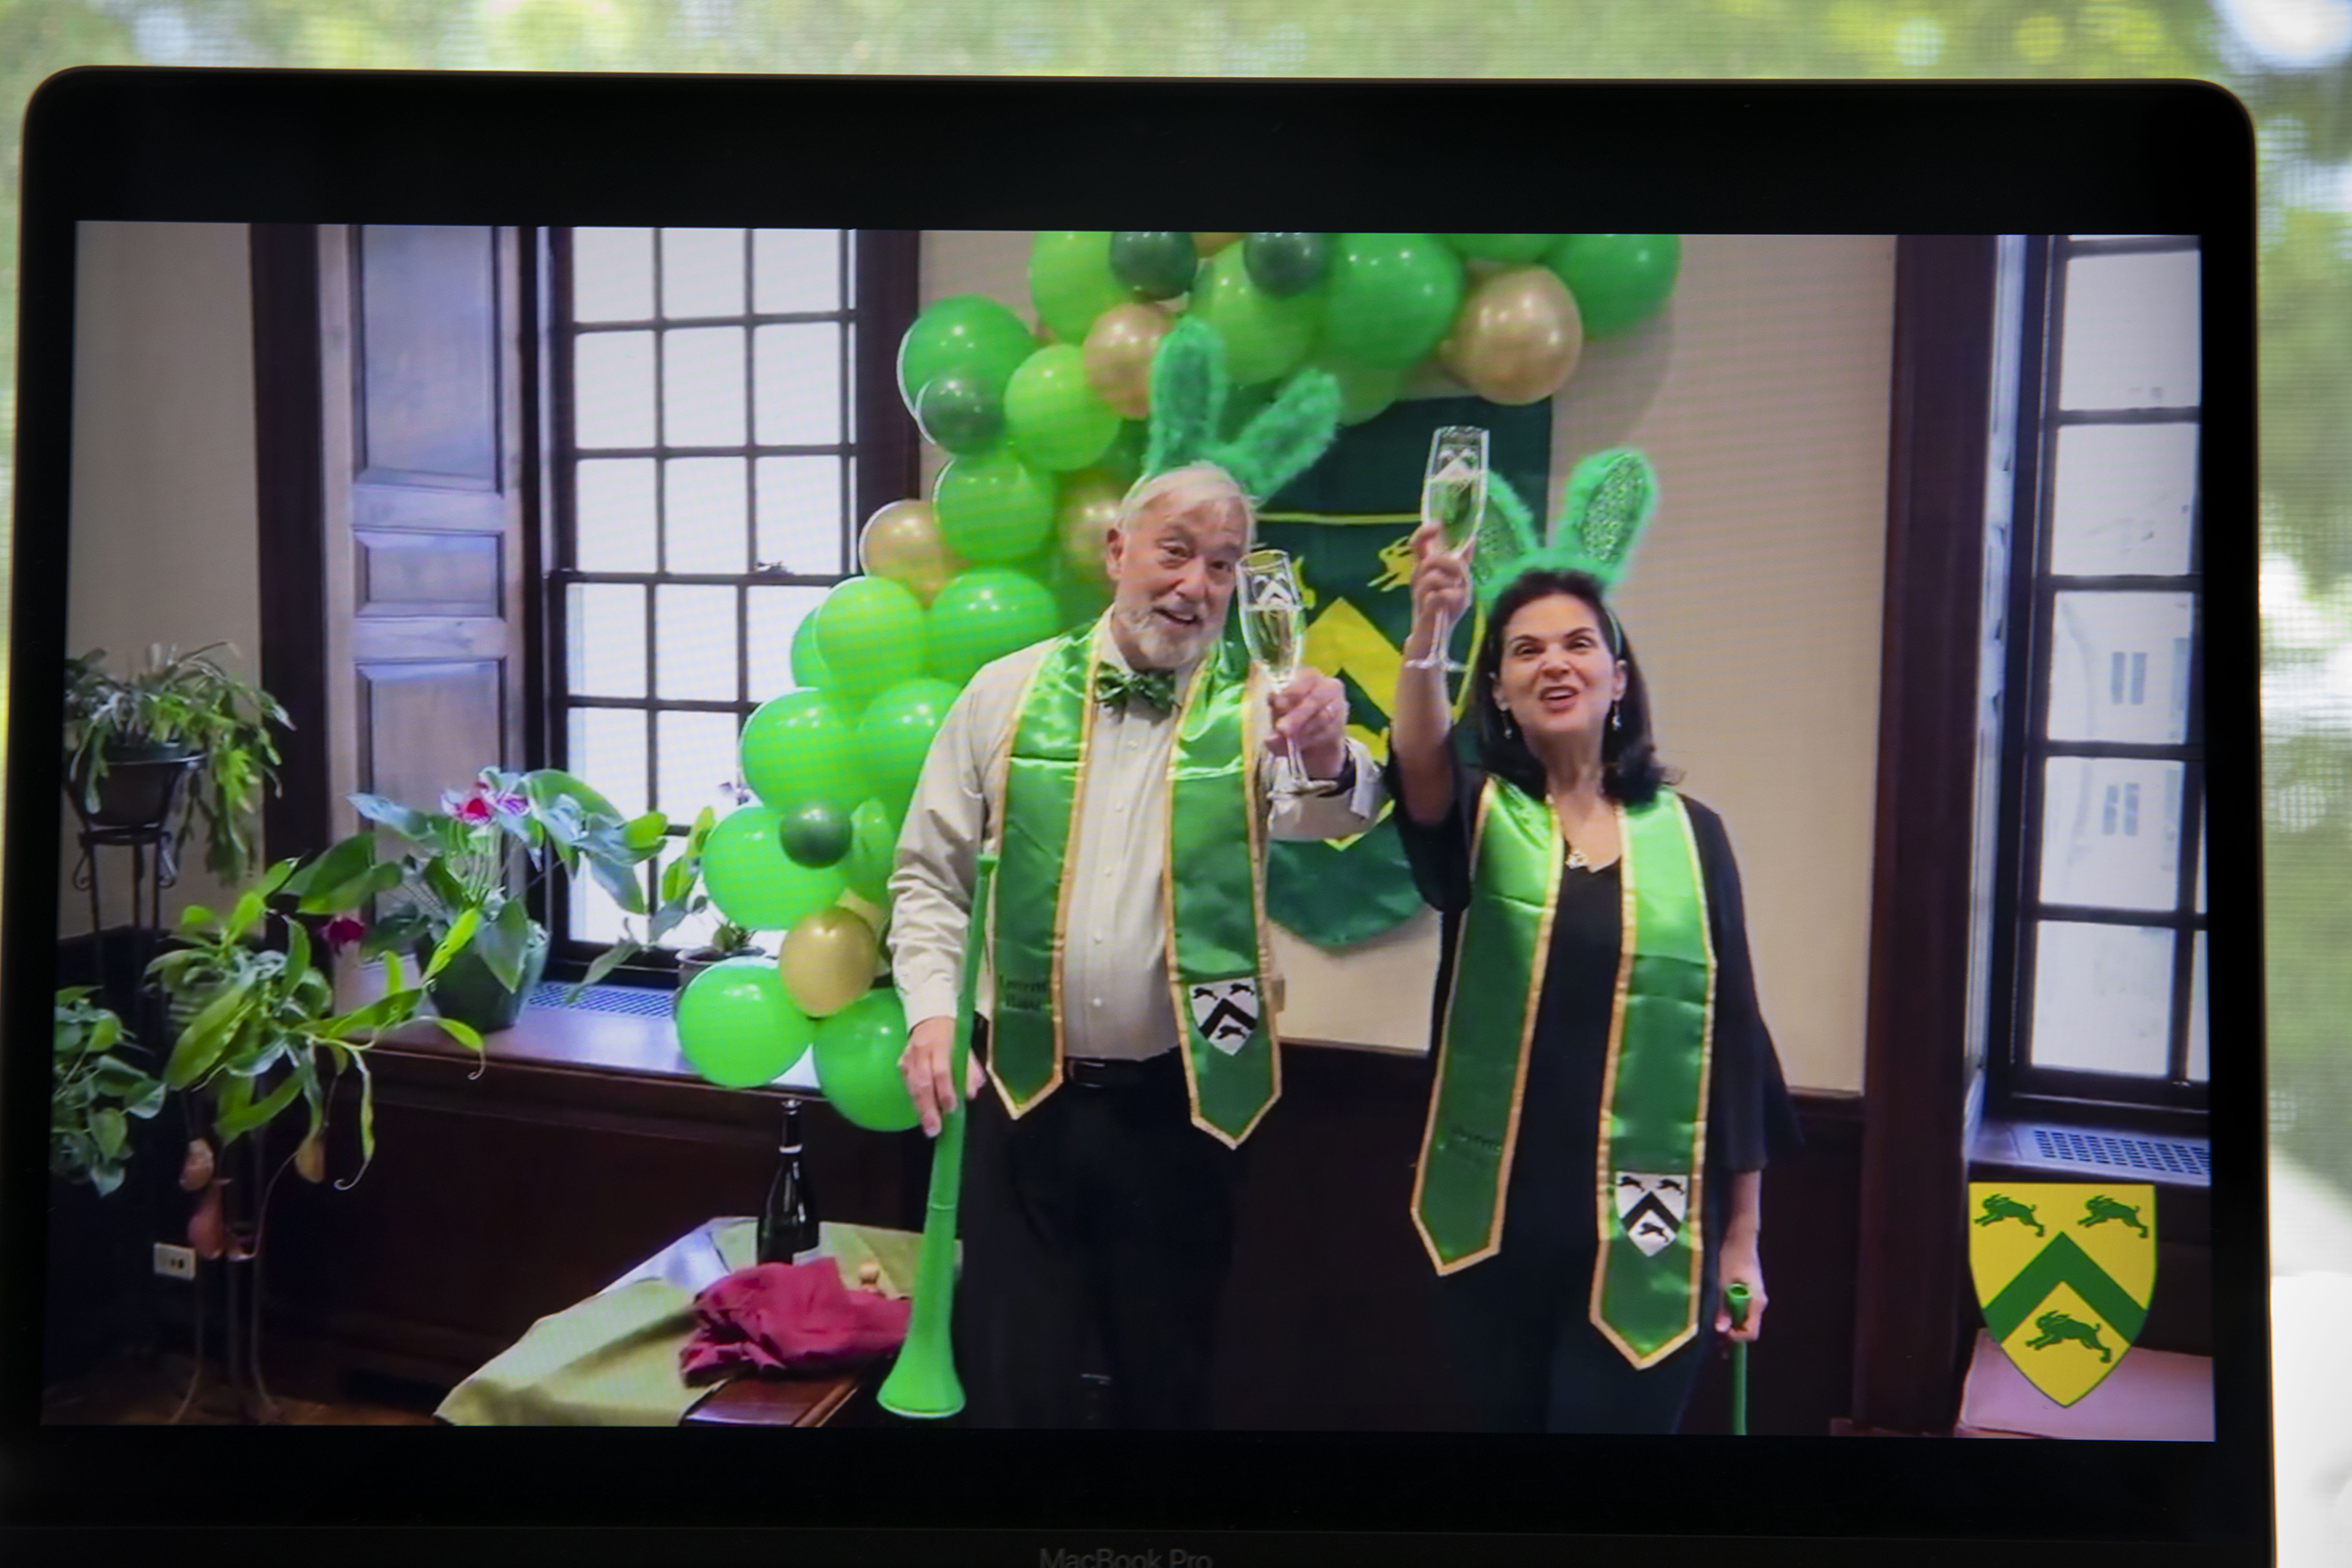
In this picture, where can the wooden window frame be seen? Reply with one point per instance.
(881, 271)
(2015, 1086)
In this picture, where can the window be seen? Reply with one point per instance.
(2100, 948)
(707, 435)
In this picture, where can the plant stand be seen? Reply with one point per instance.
(238, 1394)
(154, 866)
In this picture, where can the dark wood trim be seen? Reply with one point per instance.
(289, 496)
(1909, 1336)
(888, 281)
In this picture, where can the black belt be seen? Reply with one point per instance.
(1090, 1072)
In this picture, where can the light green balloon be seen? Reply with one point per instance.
(800, 750)
(858, 1063)
(981, 615)
(1071, 281)
(1264, 336)
(967, 334)
(738, 1028)
(1053, 416)
(755, 883)
(870, 631)
(894, 737)
(808, 665)
(1365, 390)
(1389, 298)
(991, 508)
(873, 851)
(1619, 280)
(1516, 248)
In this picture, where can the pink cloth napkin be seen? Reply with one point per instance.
(788, 1317)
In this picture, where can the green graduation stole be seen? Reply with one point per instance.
(1214, 886)
(1653, 1110)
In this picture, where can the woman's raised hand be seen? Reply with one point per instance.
(1441, 582)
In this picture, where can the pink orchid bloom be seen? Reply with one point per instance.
(342, 931)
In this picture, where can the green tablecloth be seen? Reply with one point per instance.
(612, 1360)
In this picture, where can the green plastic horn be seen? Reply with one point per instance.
(1735, 1299)
(923, 1385)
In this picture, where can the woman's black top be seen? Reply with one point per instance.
(1551, 1194)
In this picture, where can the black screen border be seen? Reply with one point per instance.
(2139, 157)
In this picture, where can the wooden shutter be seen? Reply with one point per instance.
(420, 335)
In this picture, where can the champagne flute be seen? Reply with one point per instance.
(1274, 627)
(1454, 497)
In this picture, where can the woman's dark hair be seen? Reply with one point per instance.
(1631, 770)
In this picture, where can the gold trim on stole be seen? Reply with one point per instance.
(1695, 1221)
(1069, 855)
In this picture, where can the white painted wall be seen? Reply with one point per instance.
(163, 514)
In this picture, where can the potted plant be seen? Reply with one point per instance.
(257, 1031)
(454, 868)
(131, 742)
(93, 1092)
(682, 898)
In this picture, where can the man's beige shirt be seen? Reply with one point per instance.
(1115, 993)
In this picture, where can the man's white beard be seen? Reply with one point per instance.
(1163, 647)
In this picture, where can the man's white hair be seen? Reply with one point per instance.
(1195, 487)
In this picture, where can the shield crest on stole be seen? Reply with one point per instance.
(2064, 1270)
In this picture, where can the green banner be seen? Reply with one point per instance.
(1346, 523)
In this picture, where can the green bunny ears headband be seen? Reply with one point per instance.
(1612, 497)
(1188, 393)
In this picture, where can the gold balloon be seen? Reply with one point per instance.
(902, 542)
(1209, 244)
(1517, 339)
(1083, 519)
(1119, 350)
(828, 961)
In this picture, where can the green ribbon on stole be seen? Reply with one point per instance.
(1653, 1116)
(1213, 887)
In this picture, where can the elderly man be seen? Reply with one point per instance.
(1124, 770)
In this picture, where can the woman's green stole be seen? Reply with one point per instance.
(1653, 1117)
(1212, 887)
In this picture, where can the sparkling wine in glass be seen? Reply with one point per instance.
(1274, 627)
(1454, 497)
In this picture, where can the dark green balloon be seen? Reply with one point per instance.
(816, 834)
(1619, 280)
(1157, 263)
(959, 411)
(1284, 264)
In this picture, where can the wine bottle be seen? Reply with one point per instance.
(788, 1227)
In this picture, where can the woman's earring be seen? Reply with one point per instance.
(1616, 716)
(1509, 729)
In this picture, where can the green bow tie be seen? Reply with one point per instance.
(1156, 688)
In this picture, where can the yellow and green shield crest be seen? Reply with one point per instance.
(2064, 1270)
(1346, 522)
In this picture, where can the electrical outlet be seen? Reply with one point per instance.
(175, 1263)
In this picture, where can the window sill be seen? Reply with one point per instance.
(578, 1039)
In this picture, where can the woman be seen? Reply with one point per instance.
(1607, 1094)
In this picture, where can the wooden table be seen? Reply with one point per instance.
(778, 1401)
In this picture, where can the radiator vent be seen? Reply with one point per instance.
(2110, 1152)
(631, 1001)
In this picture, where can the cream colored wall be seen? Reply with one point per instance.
(1761, 397)
(163, 512)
